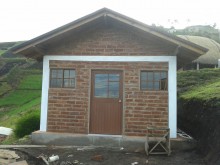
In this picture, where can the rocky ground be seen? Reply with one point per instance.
(105, 156)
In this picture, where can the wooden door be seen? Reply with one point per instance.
(106, 102)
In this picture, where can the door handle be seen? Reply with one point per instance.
(119, 100)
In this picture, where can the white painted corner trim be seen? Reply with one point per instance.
(172, 85)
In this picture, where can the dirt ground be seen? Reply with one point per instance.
(106, 156)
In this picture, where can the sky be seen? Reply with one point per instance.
(26, 19)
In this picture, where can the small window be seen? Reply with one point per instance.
(62, 78)
(154, 80)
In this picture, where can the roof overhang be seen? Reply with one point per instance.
(36, 45)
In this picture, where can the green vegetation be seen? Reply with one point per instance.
(203, 85)
(20, 91)
(9, 117)
(31, 82)
(5, 46)
(204, 92)
(1, 52)
(27, 124)
(19, 97)
(4, 88)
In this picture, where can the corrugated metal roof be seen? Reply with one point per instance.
(210, 57)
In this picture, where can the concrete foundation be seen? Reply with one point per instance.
(127, 142)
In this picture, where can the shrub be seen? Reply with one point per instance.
(27, 124)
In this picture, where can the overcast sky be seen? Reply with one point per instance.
(26, 19)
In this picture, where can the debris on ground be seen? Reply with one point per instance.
(85, 148)
(102, 155)
(53, 158)
(47, 160)
(70, 156)
(44, 158)
(183, 134)
(4, 133)
(75, 162)
(7, 157)
(98, 158)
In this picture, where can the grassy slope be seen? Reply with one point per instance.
(5, 46)
(22, 99)
(203, 84)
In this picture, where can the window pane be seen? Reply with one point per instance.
(113, 77)
(156, 76)
(62, 78)
(113, 89)
(150, 76)
(143, 75)
(59, 73)
(53, 83)
(72, 73)
(156, 80)
(113, 94)
(101, 78)
(114, 86)
(156, 85)
(66, 73)
(59, 83)
(101, 90)
(143, 85)
(150, 85)
(53, 73)
(72, 83)
(101, 85)
(66, 83)
(163, 75)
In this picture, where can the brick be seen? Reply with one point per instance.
(68, 109)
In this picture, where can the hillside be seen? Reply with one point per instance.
(20, 86)
(5, 46)
(198, 109)
(203, 84)
(200, 30)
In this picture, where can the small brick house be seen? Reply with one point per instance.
(108, 74)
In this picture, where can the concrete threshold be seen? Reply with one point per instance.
(95, 140)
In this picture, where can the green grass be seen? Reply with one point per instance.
(22, 98)
(193, 78)
(27, 89)
(202, 85)
(1, 52)
(10, 117)
(4, 88)
(31, 82)
(20, 94)
(19, 97)
(204, 92)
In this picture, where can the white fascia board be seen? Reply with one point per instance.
(171, 85)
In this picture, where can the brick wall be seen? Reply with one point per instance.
(108, 41)
(68, 109)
